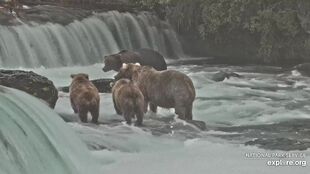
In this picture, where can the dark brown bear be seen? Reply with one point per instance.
(128, 101)
(143, 56)
(167, 89)
(84, 97)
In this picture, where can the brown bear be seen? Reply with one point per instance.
(167, 89)
(128, 101)
(143, 56)
(84, 97)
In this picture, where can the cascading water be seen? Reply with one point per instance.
(34, 140)
(85, 42)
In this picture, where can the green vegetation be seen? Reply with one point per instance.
(263, 31)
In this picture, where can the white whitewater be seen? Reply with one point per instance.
(34, 140)
(234, 102)
(85, 42)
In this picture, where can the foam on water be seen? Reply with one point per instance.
(194, 156)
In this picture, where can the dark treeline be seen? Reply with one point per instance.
(252, 31)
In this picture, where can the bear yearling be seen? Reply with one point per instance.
(84, 97)
(143, 56)
(167, 89)
(128, 100)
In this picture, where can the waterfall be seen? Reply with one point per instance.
(85, 42)
(34, 140)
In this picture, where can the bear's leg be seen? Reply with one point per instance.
(188, 112)
(73, 106)
(128, 117)
(139, 116)
(153, 107)
(180, 111)
(146, 104)
(83, 115)
(117, 110)
(95, 114)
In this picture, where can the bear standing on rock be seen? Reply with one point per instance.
(143, 56)
(84, 97)
(128, 101)
(167, 89)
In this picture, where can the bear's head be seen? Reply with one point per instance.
(128, 71)
(112, 62)
(79, 77)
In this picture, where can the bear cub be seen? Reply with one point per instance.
(128, 101)
(84, 97)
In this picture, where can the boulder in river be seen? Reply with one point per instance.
(222, 75)
(303, 68)
(103, 85)
(31, 83)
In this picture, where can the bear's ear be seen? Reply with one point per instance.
(138, 64)
(118, 58)
(112, 84)
(125, 66)
(72, 75)
(86, 76)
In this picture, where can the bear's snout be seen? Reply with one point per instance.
(117, 77)
(104, 69)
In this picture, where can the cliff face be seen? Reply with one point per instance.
(268, 32)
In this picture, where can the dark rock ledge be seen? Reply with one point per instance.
(31, 83)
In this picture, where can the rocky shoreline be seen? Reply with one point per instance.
(51, 12)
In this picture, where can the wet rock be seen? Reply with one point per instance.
(222, 75)
(199, 124)
(103, 85)
(45, 12)
(303, 68)
(285, 144)
(288, 135)
(31, 83)
(96, 146)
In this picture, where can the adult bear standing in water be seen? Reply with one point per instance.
(143, 56)
(167, 89)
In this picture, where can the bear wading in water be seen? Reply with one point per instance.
(128, 101)
(84, 97)
(143, 56)
(167, 89)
